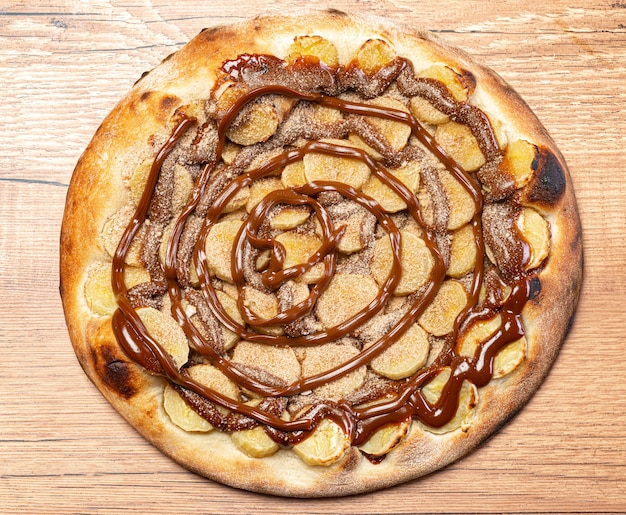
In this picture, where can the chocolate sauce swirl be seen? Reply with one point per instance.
(407, 401)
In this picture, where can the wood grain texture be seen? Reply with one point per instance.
(63, 65)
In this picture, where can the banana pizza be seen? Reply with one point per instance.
(319, 255)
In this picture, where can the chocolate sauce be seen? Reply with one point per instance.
(407, 400)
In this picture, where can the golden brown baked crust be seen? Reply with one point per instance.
(143, 121)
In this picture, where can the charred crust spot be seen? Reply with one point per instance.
(336, 12)
(169, 56)
(142, 76)
(548, 184)
(145, 96)
(168, 102)
(115, 373)
(534, 288)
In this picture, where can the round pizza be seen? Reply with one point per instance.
(319, 256)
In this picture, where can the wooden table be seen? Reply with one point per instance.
(63, 449)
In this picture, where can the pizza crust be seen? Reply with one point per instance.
(127, 137)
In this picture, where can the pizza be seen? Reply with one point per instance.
(319, 255)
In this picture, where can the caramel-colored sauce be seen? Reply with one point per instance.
(407, 400)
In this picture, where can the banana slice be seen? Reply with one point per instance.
(536, 231)
(416, 260)
(326, 445)
(98, 290)
(459, 142)
(328, 356)
(228, 94)
(230, 306)
(478, 333)
(264, 305)
(518, 161)
(346, 295)
(409, 175)
(138, 179)
(438, 318)
(396, 133)
(299, 247)
(181, 414)
(213, 378)
(293, 175)
(449, 78)
(254, 442)
(460, 202)
(509, 358)
(259, 189)
(405, 357)
(468, 399)
(278, 361)
(386, 438)
(315, 46)
(289, 218)
(230, 152)
(113, 230)
(425, 112)
(323, 167)
(240, 200)
(463, 252)
(373, 55)
(183, 184)
(167, 333)
(219, 246)
(259, 125)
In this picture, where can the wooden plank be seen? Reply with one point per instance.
(63, 449)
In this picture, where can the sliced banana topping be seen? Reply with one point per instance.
(293, 175)
(459, 200)
(264, 306)
(518, 160)
(181, 414)
(289, 218)
(536, 231)
(260, 124)
(386, 438)
(409, 175)
(346, 295)
(478, 333)
(509, 358)
(260, 189)
(299, 248)
(439, 317)
(313, 46)
(254, 442)
(459, 142)
(326, 445)
(326, 357)
(468, 399)
(374, 54)
(323, 167)
(232, 310)
(425, 112)
(416, 261)
(404, 357)
(463, 252)
(113, 230)
(167, 333)
(99, 291)
(281, 362)
(449, 78)
(219, 247)
(211, 377)
(395, 133)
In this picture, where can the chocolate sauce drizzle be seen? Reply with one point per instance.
(408, 400)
